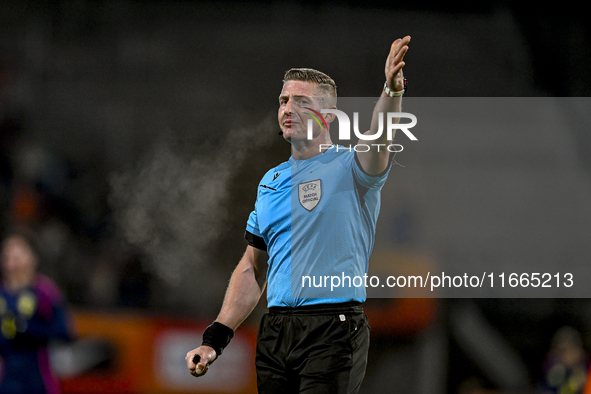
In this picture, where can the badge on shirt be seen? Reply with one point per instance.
(309, 194)
(26, 304)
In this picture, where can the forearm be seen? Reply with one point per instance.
(384, 105)
(242, 295)
(375, 160)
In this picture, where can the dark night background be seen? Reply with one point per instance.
(134, 134)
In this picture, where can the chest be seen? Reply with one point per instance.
(302, 192)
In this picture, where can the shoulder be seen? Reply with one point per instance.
(342, 154)
(48, 288)
(270, 175)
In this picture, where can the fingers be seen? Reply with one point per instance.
(196, 364)
(401, 41)
(198, 360)
(200, 371)
(398, 59)
(397, 68)
(201, 367)
(395, 61)
(398, 44)
(189, 358)
(398, 50)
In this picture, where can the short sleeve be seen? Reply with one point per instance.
(370, 181)
(252, 233)
(252, 224)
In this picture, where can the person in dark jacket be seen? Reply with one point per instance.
(32, 313)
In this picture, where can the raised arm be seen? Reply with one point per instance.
(375, 160)
(242, 295)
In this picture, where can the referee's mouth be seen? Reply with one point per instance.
(289, 121)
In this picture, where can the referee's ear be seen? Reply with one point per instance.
(329, 117)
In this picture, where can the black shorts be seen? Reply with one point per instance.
(312, 349)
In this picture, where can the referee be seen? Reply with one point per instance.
(314, 213)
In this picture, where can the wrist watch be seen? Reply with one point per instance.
(390, 93)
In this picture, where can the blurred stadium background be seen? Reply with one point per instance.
(134, 133)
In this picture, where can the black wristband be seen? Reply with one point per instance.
(217, 336)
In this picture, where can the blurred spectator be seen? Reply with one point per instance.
(565, 369)
(33, 313)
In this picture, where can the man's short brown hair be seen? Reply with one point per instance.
(325, 83)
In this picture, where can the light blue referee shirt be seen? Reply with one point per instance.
(316, 218)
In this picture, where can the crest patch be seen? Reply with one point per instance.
(310, 193)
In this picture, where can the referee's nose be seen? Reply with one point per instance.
(287, 107)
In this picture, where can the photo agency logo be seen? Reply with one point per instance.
(393, 120)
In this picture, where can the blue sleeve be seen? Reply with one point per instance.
(252, 233)
(252, 224)
(366, 180)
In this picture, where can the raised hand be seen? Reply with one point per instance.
(395, 63)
